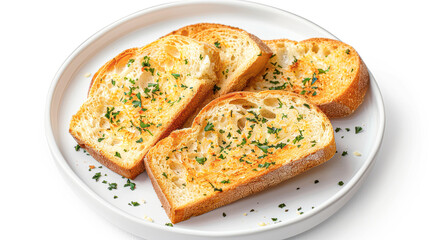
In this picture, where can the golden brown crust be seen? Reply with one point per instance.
(243, 188)
(193, 29)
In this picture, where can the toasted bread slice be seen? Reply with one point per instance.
(242, 55)
(140, 96)
(328, 72)
(239, 144)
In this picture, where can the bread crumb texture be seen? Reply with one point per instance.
(325, 71)
(235, 142)
(136, 97)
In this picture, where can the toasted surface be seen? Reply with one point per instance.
(242, 55)
(140, 96)
(239, 144)
(328, 72)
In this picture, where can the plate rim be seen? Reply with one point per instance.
(69, 174)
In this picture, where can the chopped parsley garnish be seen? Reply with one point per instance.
(273, 130)
(145, 62)
(169, 224)
(282, 205)
(135, 204)
(175, 75)
(201, 160)
(139, 102)
(113, 82)
(306, 105)
(279, 87)
(348, 129)
(224, 214)
(225, 181)
(340, 183)
(100, 139)
(117, 154)
(215, 89)
(266, 164)
(217, 44)
(280, 103)
(313, 79)
(140, 140)
(186, 61)
(348, 51)
(321, 71)
(305, 80)
(337, 129)
(164, 174)
(358, 129)
(215, 188)
(298, 138)
(77, 148)
(209, 127)
(261, 146)
(97, 176)
(315, 182)
(274, 219)
(201, 57)
(115, 197)
(130, 184)
(344, 153)
(130, 61)
(294, 60)
(112, 186)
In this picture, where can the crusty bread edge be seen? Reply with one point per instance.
(250, 186)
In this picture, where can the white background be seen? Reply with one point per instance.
(37, 36)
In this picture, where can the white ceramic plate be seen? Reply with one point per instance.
(308, 203)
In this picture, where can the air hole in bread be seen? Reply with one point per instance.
(104, 123)
(176, 168)
(178, 181)
(306, 49)
(267, 113)
(244, 103)
(326, 52)
(315, 49)
(241, 123)
(172, 51)
(168, 63)
(271, 102)
(115, 142)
